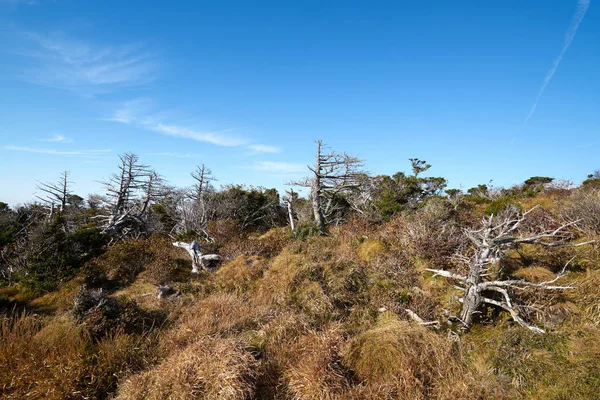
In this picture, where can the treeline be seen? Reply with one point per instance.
(46, 242)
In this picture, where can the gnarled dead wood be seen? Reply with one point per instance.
(497, 235)
(195, 252)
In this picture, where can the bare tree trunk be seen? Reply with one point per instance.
(290, 200)
(195, 252)
(316, 192)
(316, 205)
(473, 297)
(51, 215)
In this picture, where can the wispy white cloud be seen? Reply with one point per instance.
(261, 148)
(277, 167)
(67, 63)
(139, 112)
(582, 7)
(83, 153)
(217, 138)
(57, 138)
(135, 111)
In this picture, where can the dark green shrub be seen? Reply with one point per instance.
(498, 205)
(306, 230)
(125, 260)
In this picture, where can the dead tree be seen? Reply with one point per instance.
(482, 284)
(193, 205)
(130, 192)
(204, 178)
(195, 252)
(333, 174)
(56, 194)
(290, 200)
(361, 197)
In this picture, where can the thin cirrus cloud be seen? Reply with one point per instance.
(582, 7)
(57, 138)
(216, 138)
(261, 148)
(66, 63)
(137, 112)
(277, 167)
(80, 153)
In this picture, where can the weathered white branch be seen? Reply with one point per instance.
(491, 243)
(514, 314)
(415, 317)
(195, 252)
(447, 274)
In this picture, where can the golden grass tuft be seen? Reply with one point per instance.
(400, 353)
(587, 295)
(535, 274)
(285, 272)
(38, 360)
(59, 300)
(210, 369)
(318, 373)
(370, 249)
(16, 295)
(56, 358)
(240, 275)
(218, 314)
(310, 299)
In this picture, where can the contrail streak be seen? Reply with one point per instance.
(582, 7)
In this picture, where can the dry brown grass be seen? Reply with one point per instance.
(310, 299)
(275, 341)
(285, 272)
(210, 368)
(371, 248)
(241, 274)
(217, 315)
(587, 295)
(401, 353)
(317, 372)
(59, 300)
(430, 235)
(40, 361)
(56, 359)
(163, 267)
(299, 319)
(535, 274)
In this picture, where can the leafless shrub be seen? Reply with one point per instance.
(102, 314)
(584, 207)
(431, 234)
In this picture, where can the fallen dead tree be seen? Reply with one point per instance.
(482, 284)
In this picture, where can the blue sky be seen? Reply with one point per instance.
(481, 90)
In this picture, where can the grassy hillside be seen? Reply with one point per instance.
(319, 317)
